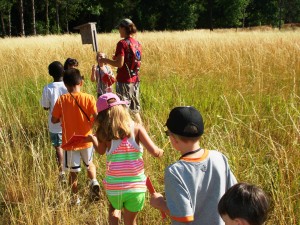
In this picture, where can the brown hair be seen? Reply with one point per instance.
(245, 201)
(130, 29)
(113, 123)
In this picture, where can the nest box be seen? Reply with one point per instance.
(88, 34)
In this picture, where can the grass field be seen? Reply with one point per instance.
(246, 84)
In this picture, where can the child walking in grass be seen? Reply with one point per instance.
(196, 182)
(119, 137)
(51, 92)
(76, 110)
(244, 204)
(70, 63)
(103, 75)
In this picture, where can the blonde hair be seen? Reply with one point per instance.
(98, 55)
(113, 124)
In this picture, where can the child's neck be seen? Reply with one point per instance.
(57, 79)
(190, 147)
(74, 89)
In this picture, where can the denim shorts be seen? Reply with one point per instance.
(56, 139)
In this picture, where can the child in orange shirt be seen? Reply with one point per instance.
(76, 111)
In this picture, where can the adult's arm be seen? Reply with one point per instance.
(117, 62)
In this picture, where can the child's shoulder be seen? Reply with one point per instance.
(49, 85)
(86, 97)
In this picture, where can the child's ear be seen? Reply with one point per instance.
(81, 83)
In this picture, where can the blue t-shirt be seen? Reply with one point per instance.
(194, 187)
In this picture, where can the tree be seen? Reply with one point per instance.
(33, 18)
(114, 11)
(292, 11)
(263, 12)
(47, 17)
(57, 16)
(244, 5)
(5, 9)
(181, 15)
(21, 14)
(72, 9)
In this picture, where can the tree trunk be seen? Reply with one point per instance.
(9, 23)
(3, 25)
(21, 10)
(244, 15)
(67, 20)
(210, 8)
(57, 17)
(47, 17)
(280, 13)
(33, 18)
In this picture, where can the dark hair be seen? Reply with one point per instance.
(56, 69)
(72, 77)
(245, 201)
(130, 29)
(70, 62)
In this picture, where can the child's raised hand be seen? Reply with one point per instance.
(94, 68)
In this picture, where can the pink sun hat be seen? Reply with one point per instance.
(102, 102)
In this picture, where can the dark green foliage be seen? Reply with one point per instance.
(147, 14)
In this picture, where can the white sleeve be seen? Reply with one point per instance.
(45, 101)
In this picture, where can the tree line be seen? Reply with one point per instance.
(30, 17)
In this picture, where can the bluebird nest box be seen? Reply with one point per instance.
(88, 34)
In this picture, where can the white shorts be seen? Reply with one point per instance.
(72, 159)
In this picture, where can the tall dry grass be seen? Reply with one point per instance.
(246, 84)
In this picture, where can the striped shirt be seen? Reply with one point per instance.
(125, 168)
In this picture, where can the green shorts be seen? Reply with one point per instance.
(133, 202)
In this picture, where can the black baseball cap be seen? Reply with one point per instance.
(181, 119)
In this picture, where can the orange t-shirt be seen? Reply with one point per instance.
(73, 120)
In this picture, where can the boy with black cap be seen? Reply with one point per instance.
(195, 183)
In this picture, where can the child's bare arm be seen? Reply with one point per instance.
(100, 147)
(157, 201)
(93, 74)
(148, 143)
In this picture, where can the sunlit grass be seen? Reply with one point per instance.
(246, 84)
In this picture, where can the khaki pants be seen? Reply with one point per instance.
(130, 92)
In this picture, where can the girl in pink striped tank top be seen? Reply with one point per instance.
(119, 137)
